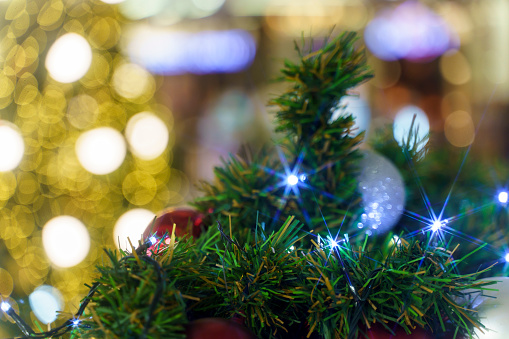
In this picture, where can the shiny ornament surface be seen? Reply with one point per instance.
(187, 221)
(383, 193)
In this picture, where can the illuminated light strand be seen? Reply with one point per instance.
(439, 227)
(436, 224)
(360, 301)
(330, 237)
(292, 174)
(75, 322)
(502, 197)
(291, 180)
(293, 185)
(23, 326)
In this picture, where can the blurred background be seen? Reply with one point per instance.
(111, 111)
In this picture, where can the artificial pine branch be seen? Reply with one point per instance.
(313, 144)
(320, 80)
(243, 190)
(475, 211)
(278, 288)
(261, 278)
(127, 288)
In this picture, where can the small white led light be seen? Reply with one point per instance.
(152, 240)
(437, 224)
(292, 180)
(503, 197)
(334, 243)
(5, 306)
(506, 257)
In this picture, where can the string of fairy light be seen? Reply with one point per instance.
(51, 122)
(434, 226)
(75, 323)
(294, 179)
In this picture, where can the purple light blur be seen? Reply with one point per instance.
(410, 31)
(171, 53)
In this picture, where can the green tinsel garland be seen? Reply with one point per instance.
(278, 287)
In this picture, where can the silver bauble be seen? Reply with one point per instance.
(383, 193)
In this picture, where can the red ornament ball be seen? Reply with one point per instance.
(186, 220)
(216, 328)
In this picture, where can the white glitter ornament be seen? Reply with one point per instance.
(383, 193)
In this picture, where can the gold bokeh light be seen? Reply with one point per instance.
(50, 116)
(455, 68)
(459, 129)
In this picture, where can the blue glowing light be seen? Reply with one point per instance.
(303, 177)
(292, 180)
(506, 257)
(437, 224)
(76, 322)
(171, 53)
(333, 243)
(503, 197)
(5, 306)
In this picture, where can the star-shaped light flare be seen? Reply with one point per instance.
(291, 178)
